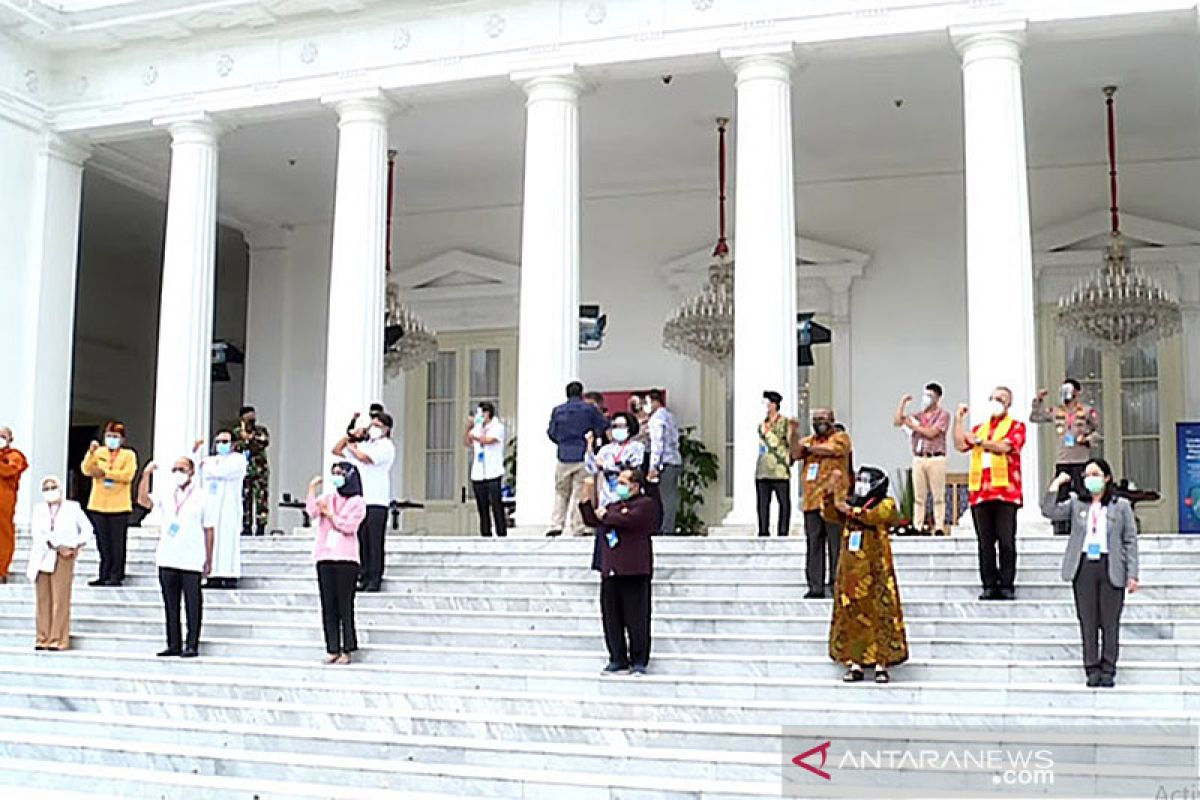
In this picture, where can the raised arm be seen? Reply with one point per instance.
(1038, 412)
(902, 411)
(963, 440)
(1052, 509)
(143, 492)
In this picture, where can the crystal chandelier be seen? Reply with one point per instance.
(1121, 308)
(408, 343)
(702, 328)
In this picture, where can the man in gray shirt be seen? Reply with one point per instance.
(666, 462)
(1076, 429)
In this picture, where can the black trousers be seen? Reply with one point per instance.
(111, 529)
(1098, 605)
(823, 537)
(765, 487)
(370, 546)
(625, 609)
(490, 506)
(1076, 485)
(185, 584)
(335, 581)
(996, 528)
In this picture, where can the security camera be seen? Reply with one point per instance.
(666, 79)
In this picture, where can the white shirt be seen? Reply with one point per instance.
(181, 543)
(487, 460)
(376, 476)
(50, 528)
(1097, 527)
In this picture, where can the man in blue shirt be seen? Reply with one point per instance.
(569, 423)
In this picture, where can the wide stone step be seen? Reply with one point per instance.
(1020, 647)
(1055, 661)
(1044, 627)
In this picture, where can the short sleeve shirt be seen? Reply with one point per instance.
(181, 543)
(774, 452)
(1012, 492)
(376, 476)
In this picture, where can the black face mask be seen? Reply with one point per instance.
(822, 428)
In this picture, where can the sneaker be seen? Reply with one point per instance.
(613, 668)
(637, 670)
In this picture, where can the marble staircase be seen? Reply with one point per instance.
(479, 673)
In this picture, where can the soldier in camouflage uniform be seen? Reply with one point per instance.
(253, 439)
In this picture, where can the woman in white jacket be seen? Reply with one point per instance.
(59, 530)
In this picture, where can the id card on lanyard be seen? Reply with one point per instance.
(1093, 547)
(173, 528)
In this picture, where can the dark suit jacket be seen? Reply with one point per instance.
(1122, 536)
(634, 521)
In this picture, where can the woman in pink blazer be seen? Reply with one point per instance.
(338, 514)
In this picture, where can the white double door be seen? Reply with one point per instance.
(470, 368)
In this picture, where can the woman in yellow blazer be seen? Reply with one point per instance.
(112, 467)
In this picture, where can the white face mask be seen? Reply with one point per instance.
(3, 442)
(620, 434)
(1068, 392)
(996, 408)
(862, 486)
(52, 495)
(374, 433)
(646, 407)
(181, 478)
(926, 401)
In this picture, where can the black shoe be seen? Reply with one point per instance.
(40, 647)
(98, 582)
(814, 594)
(374, 587)
(764, 534)
(555, 532)
(170, 652)
(989, 594)
(1107, 682)
(613, 668)
(637, 669)
(1005, 594)
(783, 534)
(191, 652)
(245, 531)
(1093, 679)
(260, 531)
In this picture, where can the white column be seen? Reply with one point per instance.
(354, 350)
(1189, 300)
(765, 258)
(183, 390)
(42, 436)
(548, 344)
(1001, 330)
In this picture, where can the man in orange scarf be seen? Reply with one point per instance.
(994, 486)
(12, 464)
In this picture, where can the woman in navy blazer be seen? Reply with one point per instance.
(1101, 561)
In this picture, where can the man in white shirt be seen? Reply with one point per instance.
(374, 458)
(184, 552)
(485, 438)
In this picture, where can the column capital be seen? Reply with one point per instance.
(194, 128)
(367, 105)
(1003, 40)
(773, 61)
(70, 149)
(555, 83)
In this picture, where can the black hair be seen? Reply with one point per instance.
(934, 387)
(386, 419)
(488, 409)
(773, 396)
(630, 422)
(1109, 485)
(595, 397)
(244, 410)
(656, 395)
(1074, 384)
(574, 390)
(223, 430)
(637, 476)
(375, 409)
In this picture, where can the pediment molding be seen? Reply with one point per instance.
(461, 290)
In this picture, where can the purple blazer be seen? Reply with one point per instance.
(634, 521)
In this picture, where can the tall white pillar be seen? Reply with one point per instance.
(1001, 330)
(765, 258)
(53, 264)
(1189, 300)
(548, 342)
(183, 390)
(357, 279)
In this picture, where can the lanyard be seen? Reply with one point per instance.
(179, 504)
(1094, 517)
(54, 509)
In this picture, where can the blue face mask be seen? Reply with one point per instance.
(338, 481)
(623, 491)
(112, 442)
(224, 448)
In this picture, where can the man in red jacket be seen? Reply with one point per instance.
(626, 565)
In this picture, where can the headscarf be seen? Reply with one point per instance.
(870, 487)
(353, 485)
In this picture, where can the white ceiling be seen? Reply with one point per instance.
(640, 135)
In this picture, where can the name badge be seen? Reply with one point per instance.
(855, 541)
(1069, 439)
(987, 460)
(213, 487)
(173, 529)
(762, 448)
(479, 457)
(611, 536)
(811, 473)
(109, 483)
(1093, 551)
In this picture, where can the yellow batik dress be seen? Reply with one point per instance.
(868, 621)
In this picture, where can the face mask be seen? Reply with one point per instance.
(996, 408)
(374, 433)
(862, 487)
(1094, 484)
(620, 434)
(646, 407)
(623, 491)
(821, 428)
(181, 478)
(926, 401)
(338, 481)
(479, 419)
(112, 442)
(52, 495)
(1068, 393)
(224, 448)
